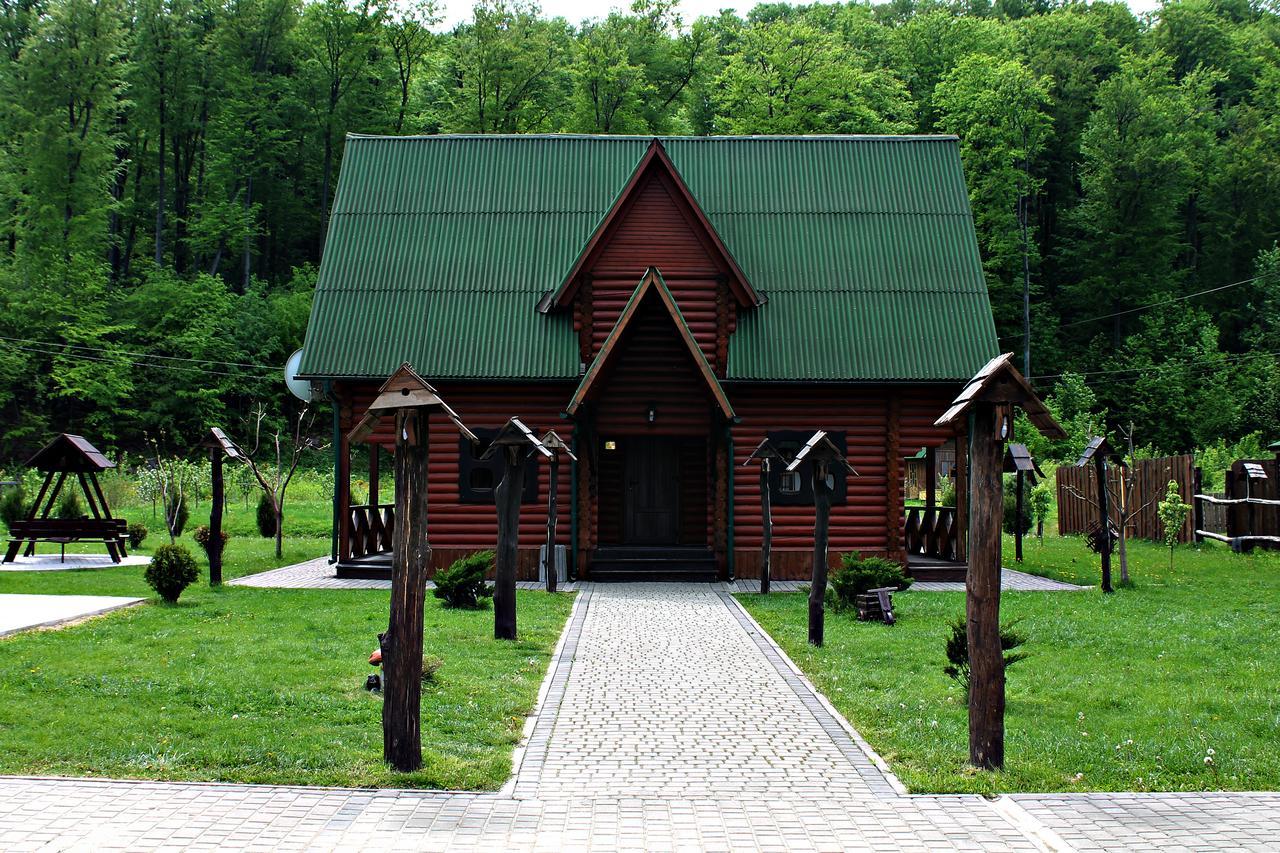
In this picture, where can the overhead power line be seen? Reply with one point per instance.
(115, 352)
(122, 359)
(1203, 363)
(1159, 303)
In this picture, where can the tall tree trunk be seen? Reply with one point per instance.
(160, 190)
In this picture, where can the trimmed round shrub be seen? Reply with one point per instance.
(171, 570)
(856, 576)
(69, 507)
(204, 538)
(179, 516)
(137, 533)
(462, 584)
(266, 517)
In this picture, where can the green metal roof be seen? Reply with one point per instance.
(439, 249)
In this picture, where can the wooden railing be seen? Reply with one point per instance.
(931, 532)
(370, 529)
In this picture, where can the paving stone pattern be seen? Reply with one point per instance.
(669, 722)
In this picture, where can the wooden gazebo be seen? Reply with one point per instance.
(67, 456)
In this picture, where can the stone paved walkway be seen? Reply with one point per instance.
(319, 574)
(669, 722)
(56, 563)
(20, 612)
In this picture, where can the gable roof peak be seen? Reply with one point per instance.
(655, 157)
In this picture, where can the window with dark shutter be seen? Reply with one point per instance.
(478, 478)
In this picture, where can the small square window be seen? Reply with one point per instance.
(789, 483)
(480, 480)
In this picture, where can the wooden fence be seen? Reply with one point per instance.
(1150, 481)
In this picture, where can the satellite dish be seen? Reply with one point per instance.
(300, 388)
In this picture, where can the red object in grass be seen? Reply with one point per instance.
(375, 659)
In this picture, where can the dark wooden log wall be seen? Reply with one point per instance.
(458, 529)
(1151, 479)
(864, 413)
(1252, 520)
(653, 366)
(658, 230)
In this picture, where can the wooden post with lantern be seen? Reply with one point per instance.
(1098, 452)
(766, 455)
(825, 457)
(552, 441)
(514, 442)
(408, 398)
(985, 408)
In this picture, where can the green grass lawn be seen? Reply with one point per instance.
(258, 685)
(1130, 691)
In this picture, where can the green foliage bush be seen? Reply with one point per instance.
(462, 584)
(69, 506)
(13, 506)
(137, 533)
(177, 516)
(958, 651)
(266, 517)
(948, 496)
(204, 538)
(171, 570)
(1011, 506)
(857, 574)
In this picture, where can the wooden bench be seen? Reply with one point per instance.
(112, 532)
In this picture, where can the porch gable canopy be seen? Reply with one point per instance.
(651, 283)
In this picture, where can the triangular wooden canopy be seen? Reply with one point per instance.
(764, 450)
(405, 389)
(650, 284)
(1018, 458)
(552, 440)
(1098, 446)
(819, 447)
(654, 158)
(219, 440)
(70, 453)
(515, 434)
(1000, 382)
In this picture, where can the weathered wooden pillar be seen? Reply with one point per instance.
(553, 489)
(217, 493)
(1017, 523)
(343, 487)
(982, 586)
(766, 522)
(821, 528)
(895, 495)
(508, 495)
(962, 498)
(1104, 512)
(930, 477)
(410, 559)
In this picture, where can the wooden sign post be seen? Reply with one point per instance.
(219, 445)
(1018, 461)
(766, 455)
(825, 457)
(556, 445)
(1098, 452)
(515, 442)
(985, 411)
(408, 398)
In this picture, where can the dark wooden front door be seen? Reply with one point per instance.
(651, 493)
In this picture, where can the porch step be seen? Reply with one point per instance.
(376, 567)
(932, 569)
(689, 564)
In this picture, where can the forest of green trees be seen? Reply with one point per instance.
(166, 167)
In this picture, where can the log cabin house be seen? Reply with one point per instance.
(663, 304)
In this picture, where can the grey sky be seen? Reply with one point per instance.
(576, 10)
